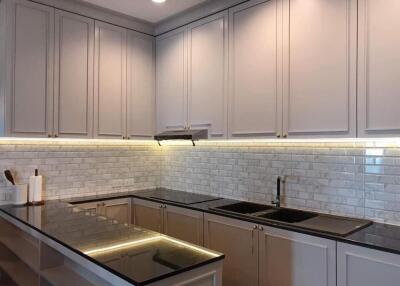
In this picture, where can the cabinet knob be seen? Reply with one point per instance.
(49, 135)
(55, 136)
(260, 228)
(278, 135)
(284, 135)
(255, 227)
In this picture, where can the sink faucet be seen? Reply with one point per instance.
(277, 201)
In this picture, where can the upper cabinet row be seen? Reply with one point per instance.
(284, 68)
(72, 76)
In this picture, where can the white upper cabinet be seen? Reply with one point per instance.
(140, 85)
(110, 81)
(255, 102)
(379, 68)
(29, 79)
(73, 80)
(320, 58)
(208, 70)
(171, 65)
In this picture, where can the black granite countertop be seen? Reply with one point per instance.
(85, 233)
(152, 256)
(375, 236)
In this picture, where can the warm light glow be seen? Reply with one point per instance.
(122, 245)
(148, 240)
(158, 1)
(177, 142)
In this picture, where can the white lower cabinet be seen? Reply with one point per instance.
(118, 209)
(293, 259)
(238, 240)
(181, 223)
(360, 266)
(267, 256)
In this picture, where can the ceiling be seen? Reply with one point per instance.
(146, 9)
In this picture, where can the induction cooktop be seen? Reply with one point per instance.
(182, 197)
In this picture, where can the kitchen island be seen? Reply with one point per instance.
(61, 244)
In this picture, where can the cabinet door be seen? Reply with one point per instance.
(147, 214)
(320, 61)
(119, 210)
(294, 259)
(184, 224)
(172, 80)
(110, 81)
(238, 240)
(378, 68)
(208, 71)
(141, 85)
(359, 266)
(255, 102)
(73, 81)
(30, 84)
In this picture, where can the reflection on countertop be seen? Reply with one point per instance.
(140, 256)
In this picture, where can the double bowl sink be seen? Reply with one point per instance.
(336, 225)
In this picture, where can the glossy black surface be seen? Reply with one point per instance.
(180, 197)
(244, 208)
(288, 215)
(140, 256)
(376, 236)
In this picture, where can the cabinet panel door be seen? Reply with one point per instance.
(30, 48)
(184, 224)
(141, 85)
(208, 71)
(359, 266)
(110, 81)
(294, 259)
(320, 58)
(172, 80)
(238, 240)
(379, 67)
(73, 100)
(255, 103)
(119, 210)
(147, 214)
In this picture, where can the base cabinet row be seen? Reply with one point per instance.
(257, 255)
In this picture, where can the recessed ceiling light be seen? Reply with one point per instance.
(158, 1)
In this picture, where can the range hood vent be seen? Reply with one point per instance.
(191, 135)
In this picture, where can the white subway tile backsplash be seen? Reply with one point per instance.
(359, 179)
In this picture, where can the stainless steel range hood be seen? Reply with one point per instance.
(191, 135)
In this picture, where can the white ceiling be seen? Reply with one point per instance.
(147, 9)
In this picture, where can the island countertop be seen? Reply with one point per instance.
(152, 256)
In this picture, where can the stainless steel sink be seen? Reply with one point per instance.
(288, 215)
(244, 208)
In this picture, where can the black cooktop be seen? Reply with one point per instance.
(181, 197)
